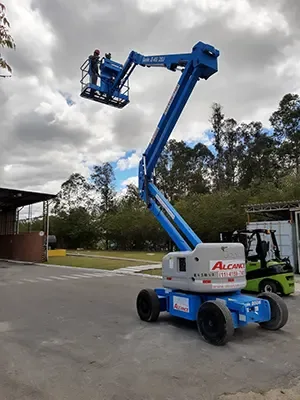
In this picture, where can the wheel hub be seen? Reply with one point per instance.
(268, 288)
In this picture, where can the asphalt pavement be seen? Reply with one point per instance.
(73, 334)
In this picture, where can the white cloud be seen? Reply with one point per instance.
(130, 162)
(132, 180)
(154, 6)
(33, 35)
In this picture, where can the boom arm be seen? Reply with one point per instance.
(201, 63)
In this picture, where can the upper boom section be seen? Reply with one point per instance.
(113, 88)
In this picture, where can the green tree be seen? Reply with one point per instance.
(286, 124)
(132, 197)
(182, 169)
(217, 122)
(245, 153)
(232, 150)
(34, 225)
(211, 213)
(228, 143)
(6, 40)
(133, 227)
(259, 162)
(75, 192)
(103, 178)
(76, 228)
(200, 165)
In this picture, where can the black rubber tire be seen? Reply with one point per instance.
(214, 322)
(268, 286)
(148, 306)
(279, 311)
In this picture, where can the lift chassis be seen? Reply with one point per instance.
(216, 316)
(202, 282)
(212, 299)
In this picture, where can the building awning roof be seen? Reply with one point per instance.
(13, 198)
(273, 207)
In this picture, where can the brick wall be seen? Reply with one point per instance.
(22, 247)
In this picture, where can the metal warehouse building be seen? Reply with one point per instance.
(27, 246)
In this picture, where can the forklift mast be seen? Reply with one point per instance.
(271, 232)
(200, 63)
(260, 247)
(275, 244)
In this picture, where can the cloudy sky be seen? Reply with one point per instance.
(44, 139)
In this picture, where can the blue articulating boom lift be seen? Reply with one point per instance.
(202, 282)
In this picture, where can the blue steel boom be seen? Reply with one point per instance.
(201, 63)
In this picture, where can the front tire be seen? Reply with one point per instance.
(214, 322)
(148, 305)
(279, 312)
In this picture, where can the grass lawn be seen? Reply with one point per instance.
(138, 255)
(156, 271)
(86, 262)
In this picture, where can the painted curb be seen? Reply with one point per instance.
(114, 271)
(112, 258)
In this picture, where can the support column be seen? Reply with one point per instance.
(16, 222)
(46, 229)
(29, 226)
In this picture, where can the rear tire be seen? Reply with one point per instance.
(214, 322)
(148, 305)
(268, 286)
(279, 312)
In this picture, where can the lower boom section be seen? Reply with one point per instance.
(217, 316)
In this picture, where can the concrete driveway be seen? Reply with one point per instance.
(69, 334)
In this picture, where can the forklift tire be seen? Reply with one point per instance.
(214, 322)
(148, 305)
(268, 286)
(279, 311)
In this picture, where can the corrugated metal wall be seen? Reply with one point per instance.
(8, 222)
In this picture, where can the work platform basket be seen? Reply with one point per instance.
(103, 90)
